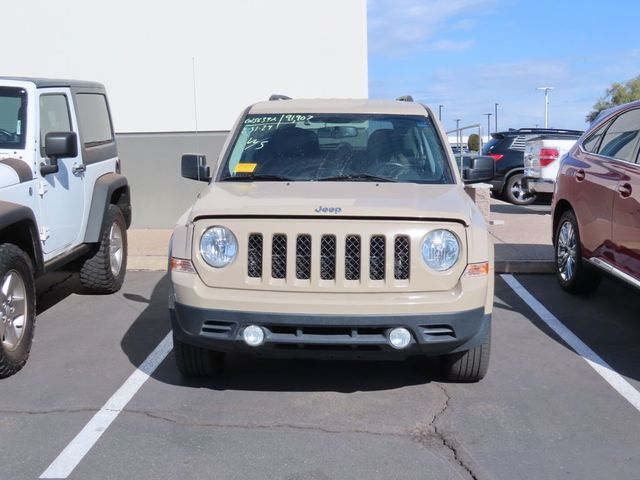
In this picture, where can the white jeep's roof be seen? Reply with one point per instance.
(392, 107)
(55, 82)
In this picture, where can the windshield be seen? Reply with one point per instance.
(13, 105)
(322, 147)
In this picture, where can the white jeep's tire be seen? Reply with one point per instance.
(103, 271)
(17, 308)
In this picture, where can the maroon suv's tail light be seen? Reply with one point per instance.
(548, 155)
(496, 156)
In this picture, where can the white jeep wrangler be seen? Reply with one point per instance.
(63, 201)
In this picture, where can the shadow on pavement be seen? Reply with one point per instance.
(243, 372)
(607, 320)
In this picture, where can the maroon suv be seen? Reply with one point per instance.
(596, 205)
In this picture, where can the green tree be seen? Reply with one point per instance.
(616, 94)
(473, 142)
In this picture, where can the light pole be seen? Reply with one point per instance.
(546, 104)
(488, 125)
(440, 112)
(496, 117)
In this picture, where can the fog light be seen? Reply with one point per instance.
(399, 338)
(253, 336)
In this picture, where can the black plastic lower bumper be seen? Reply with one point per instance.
(330, 336)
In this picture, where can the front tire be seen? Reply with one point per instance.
(573, 275)
(469, 366)
(17, 308)
(103, 271)
(515, 193)
(194, 361)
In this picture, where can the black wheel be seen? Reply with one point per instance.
(572, 273)
(194, 361)
(469, 366)
(103, 271)
(515, 193)
(17, 308)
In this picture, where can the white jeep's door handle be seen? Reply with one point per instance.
(78, 168)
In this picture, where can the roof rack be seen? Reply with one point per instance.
(276, 96)
(405, 98)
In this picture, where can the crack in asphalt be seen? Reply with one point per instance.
(48, 412)
(265, 426)
(435, 433)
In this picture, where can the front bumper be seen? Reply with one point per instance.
(330, 336)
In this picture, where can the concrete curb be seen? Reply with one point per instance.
(149, 263)
(158, 263)
(524, 266)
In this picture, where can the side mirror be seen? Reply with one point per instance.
(58, 145)
(478, 169)
(194, 167)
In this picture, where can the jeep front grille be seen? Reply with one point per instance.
(353, 249)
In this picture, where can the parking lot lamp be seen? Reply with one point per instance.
(440, 112)
(546, 104)
(488, 126)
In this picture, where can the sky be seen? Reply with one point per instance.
(469, 54)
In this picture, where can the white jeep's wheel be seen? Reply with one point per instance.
(17, 308)
(104, 270)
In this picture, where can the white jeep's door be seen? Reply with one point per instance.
(61, 194)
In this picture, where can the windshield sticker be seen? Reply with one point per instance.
(245, 168)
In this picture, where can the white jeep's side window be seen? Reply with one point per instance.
(54, 116)
(93, 117)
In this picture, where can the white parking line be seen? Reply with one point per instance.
(612, 377)
(73, 453)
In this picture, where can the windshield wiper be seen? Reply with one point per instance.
(355, 176)
(253, 177)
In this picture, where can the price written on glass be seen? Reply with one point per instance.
(277, 120)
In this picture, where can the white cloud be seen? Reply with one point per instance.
(397, 27)
(452, 46)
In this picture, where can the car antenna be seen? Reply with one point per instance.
(195, 103)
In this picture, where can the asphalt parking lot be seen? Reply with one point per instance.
(541, 412)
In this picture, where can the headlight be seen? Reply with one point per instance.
(218, 246)
(440, 250)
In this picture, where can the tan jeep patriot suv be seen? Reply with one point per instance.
(332, 229)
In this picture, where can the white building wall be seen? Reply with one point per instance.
(142, 50)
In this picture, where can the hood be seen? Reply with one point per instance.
(334, 199)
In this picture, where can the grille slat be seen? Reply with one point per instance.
(377, 257)
(402, 258)
(328, 257)
(303, 257)
(352, 258)
(254, 256)
(279, 256)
